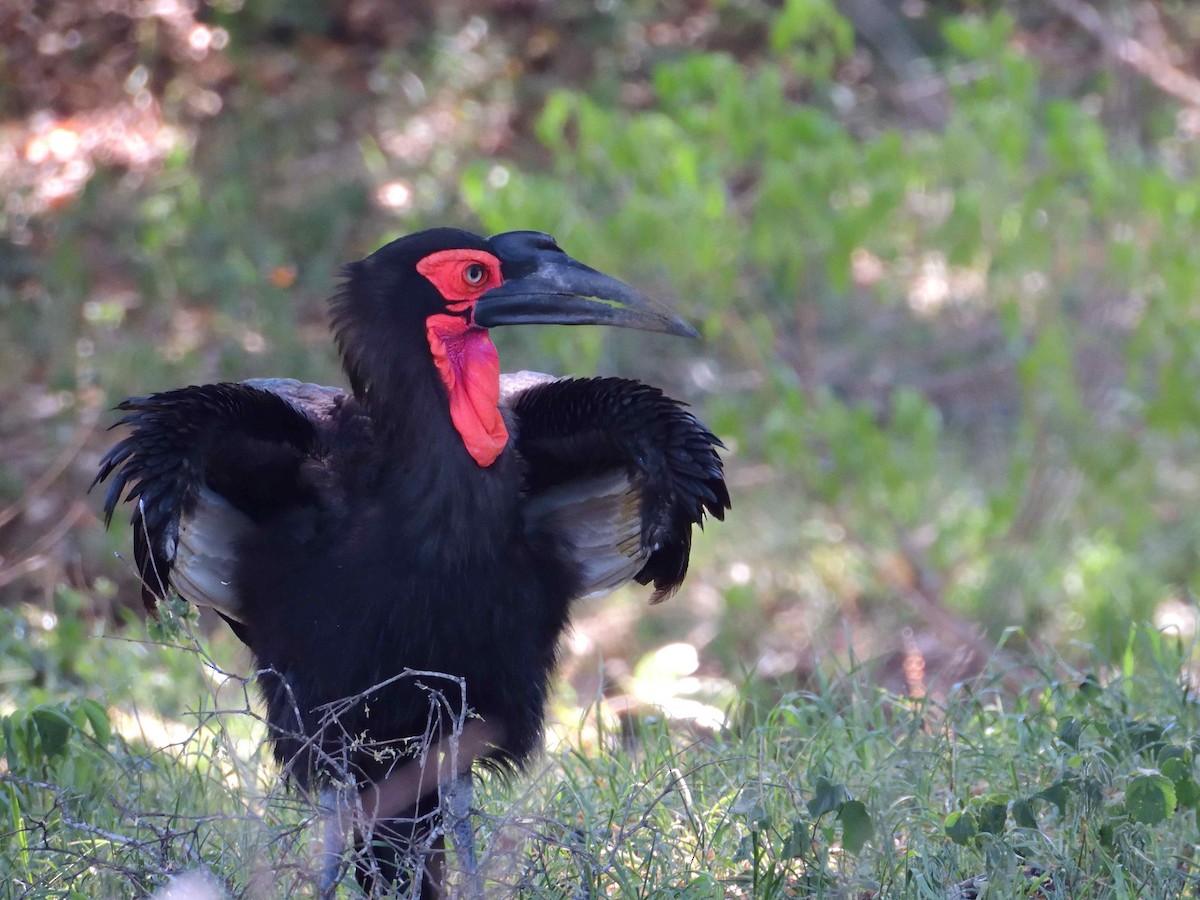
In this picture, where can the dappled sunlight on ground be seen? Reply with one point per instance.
(82, 95)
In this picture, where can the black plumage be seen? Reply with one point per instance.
(351, 537)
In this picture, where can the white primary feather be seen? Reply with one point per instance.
(600, 518)
(206, 553)
(514, 383)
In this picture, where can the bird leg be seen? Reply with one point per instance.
(447, 763)
(457, 805)
(451, 756)
(335, 822)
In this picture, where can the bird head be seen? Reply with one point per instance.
(437, 293)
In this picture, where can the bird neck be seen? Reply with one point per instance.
(433, 399)
(469, 367)
(402, 374)
(422, 488)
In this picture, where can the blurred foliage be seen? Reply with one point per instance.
(950, 340)
(1011, 428)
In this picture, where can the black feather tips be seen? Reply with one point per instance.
(581, 426)
(174, 438)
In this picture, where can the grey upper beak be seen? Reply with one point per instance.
(544, 286)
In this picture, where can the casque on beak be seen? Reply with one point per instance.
(544, 286)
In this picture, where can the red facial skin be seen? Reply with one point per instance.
(464, 354)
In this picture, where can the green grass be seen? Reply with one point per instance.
(1050, 489)
(1079, 782)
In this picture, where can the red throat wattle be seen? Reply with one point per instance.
(465, 356)
(467, 360)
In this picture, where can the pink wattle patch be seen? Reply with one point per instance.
(467, 360)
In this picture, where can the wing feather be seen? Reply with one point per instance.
(600, 518)
(206, 553)
(619, 473)
(200, 464)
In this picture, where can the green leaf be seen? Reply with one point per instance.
(1022, 813)
(1187, 793)
(53, 728)
(976, 36)
(1174, 768)
(1090, 689)
(1058, 794)
(749, 804)
(745, 850)
(1069, 730)
(1150, 798)
(551, 126)
(827, 796)
(18, 828)
(857, 825)
(97, 717)
(993, 814)
(8, 728)
(1181, 752)
(1140, 734)
(960, 827)
(811, 21)
(797, 843)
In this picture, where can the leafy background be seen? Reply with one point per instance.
(942, 255)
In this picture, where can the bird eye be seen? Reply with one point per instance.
(474, 274)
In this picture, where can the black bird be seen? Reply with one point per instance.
(438, 518)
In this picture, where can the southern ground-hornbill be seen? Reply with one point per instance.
(438, 518)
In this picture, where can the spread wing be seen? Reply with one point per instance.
(618, 473)
(203, 466)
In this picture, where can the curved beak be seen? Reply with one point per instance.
(544, 286)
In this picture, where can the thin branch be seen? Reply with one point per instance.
(60, 464)
(36, 556)
(1154, 67)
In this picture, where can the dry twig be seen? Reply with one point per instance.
(1152, 66)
